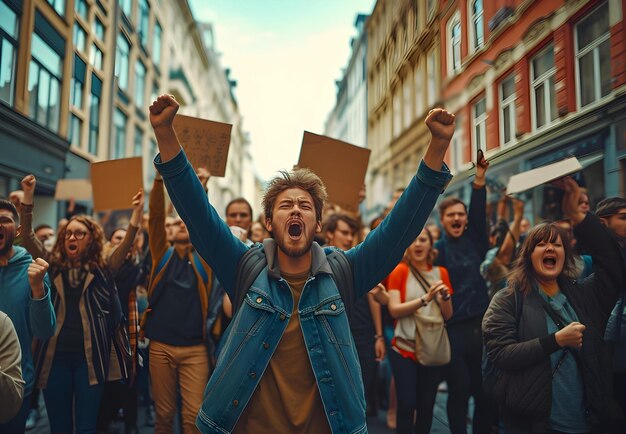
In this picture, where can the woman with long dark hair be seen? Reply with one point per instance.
(90, 345)
(416, 288)
(545, 331)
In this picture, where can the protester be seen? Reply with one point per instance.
(416, 383)
(295, 359)
(259, 233)
(90, 345)
(11, 382)
(555, 368)
(239, 214)
(366, 322)
(462, 248)
(25, 298)
(178, 297)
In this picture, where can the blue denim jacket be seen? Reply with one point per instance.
(256, 330)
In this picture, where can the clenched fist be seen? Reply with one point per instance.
(162, 111)
(36, 272)
(440, 122)
(571, 335)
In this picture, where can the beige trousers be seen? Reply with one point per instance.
(189, 368)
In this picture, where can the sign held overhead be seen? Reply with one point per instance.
(542, 175)
(115, 182)
(77, 189)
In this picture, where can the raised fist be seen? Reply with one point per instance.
(162, 111)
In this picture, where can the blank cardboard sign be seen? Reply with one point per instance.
(542, 175)
(206, 143)
(340, 165)
(115, 182)
(77, 189)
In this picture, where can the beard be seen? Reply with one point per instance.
(291, 250)
(7, 244)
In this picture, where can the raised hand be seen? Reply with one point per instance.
(569, 205)
(137, 214)
(28, 186)
(441, 125)
(571, 335)
(203, 175)
(162, 111)
(36, 273)
(481, 168)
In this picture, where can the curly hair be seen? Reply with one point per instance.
(523, 274)
(304, 179)
(93, 257)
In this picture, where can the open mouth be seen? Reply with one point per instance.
(549, 261)
(1, 236)
(73, 248)
(294, 229)
(456, 226)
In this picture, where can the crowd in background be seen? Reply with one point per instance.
(104, 322)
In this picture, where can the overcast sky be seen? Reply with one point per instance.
(285, 56)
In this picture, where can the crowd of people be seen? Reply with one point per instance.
(306, 320)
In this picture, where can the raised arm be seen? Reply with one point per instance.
(157, 235)
(119, 254)
(208, 233)
(29, 240)
(505, 254)
(383, 248)
(477, 213)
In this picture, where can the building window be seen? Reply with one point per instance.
(76, 91)
(418, 78)
(407, 96)
(507, 111)
(454, 44)
(79, 38)
(81, 8)
(58, 6)
(456, 144)
(397, 111)
(476, 24)
(126, 7)
(138, 150)
(76, 126)
(140, 83)
(144, 22)
(8, 48)
(543, 94)
(94, 112)
(479, 129)
(593, 56)
(431, 79)
(156, 44)
(44, 83)
(98, 29)
(119, 135)
(96, 57)
(121, 61)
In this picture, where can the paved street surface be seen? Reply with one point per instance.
(376, 425)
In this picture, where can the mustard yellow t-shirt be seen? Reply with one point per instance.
(287, 399)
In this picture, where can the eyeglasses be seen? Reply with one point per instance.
(79, 235)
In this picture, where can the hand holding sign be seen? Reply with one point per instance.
(481, 169)
(569, 205)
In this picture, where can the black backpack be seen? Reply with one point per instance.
(254, 261)
(491, 386)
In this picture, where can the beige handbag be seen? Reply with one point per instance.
(432, 347)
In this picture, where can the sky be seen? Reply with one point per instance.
(285, 56)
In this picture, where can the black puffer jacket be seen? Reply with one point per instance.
(524, 355)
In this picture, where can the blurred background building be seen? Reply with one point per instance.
(531, 82)
(77, 77)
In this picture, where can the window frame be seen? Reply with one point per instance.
(454, 20)
(14, 42)
(509, 101)
(473, 20)
(481, 122)
(535, 82)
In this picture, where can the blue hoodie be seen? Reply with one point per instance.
(30, 317)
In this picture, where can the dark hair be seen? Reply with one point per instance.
(304, 179)
(6, 205)
(447, 203)
(239, 200)
(42, 226)
(610, 206)
(115, 230)
(523, 273)
(330, 225)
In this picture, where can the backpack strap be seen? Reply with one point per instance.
(166, 257)
(200, 267)
(250, 266)
(342, 275)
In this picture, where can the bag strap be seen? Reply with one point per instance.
(166, 257)
(342, 275)
(420, 278)
(200, 267)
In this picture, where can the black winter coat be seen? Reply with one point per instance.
(523, 355)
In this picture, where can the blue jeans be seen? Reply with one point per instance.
(68, 387)
(17, 425)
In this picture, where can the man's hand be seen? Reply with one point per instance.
(481, 169)
(571, 335)
(441, 124)
(36, 273)
(203, 175)
(379, 349)
(28, 185)
(162, 112)
(137, 214)
(518, 208)
(569, 205)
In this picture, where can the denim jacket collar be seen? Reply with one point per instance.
(319, 264)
